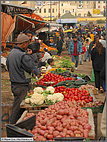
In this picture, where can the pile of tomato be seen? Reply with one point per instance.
(50, 77)
(74, 94)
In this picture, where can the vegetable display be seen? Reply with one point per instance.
(62, 119)
(91, 87)
(74, 94)
(71, 83)
(47, 97)
(50, 77)
(28, 115)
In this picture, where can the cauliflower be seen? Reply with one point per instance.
(38, 90)
(51, 98)
(50, 89)
(37, 99)
(59, 96)
(55, 97)
(27, 100)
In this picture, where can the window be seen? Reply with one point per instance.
(56, 10)
(39, 10)
(73, 10)
(53, 10)
(49, 10)
(63, 10)
(79, 15)
(98, 1)
(70, 3)
(62, 4)
(98, 6)
(104, 1)
(44, 10)
(87, 6)
(81, 2)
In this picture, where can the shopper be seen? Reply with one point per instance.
(59, 46)
(75, 48)
(18, 62)
(92, 36)
(98, 62)
(87, 49)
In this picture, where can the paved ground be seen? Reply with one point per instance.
(7, 98)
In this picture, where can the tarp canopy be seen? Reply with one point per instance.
(7, 27)
(67, 18)
(44, 29)
(29, 21)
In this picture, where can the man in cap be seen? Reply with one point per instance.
(20, 65)
(75, 48)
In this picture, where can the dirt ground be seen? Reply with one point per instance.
(7, 97)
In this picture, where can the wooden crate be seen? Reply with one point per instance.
(5, 109)
(90, 118)
(29, 107)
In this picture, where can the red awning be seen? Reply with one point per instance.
(29, 21)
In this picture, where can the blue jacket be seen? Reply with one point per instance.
(71, 47)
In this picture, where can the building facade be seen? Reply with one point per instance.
(54, 9)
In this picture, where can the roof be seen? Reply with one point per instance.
(15, 9)
(67, 16)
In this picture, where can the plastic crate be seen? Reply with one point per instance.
(95, 109)
(16, 130)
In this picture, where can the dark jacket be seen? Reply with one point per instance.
(59, 44)
(19, 65)
(98, 61)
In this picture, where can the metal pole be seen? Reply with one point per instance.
(50, 11)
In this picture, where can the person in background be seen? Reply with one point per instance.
(46, 56)
(59, 46)
(29, 34)
(32, 49)
(103, 41)
(92, 36)
(68, 40)
(87, 49)
(98, 62)
(51, 63)
(18, 63)
(75, 48)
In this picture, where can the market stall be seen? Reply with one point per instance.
(64, 93)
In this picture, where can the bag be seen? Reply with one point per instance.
(92, 76)
(83, 50)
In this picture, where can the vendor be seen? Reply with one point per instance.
(18, 62)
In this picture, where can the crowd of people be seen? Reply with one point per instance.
(25, 59)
